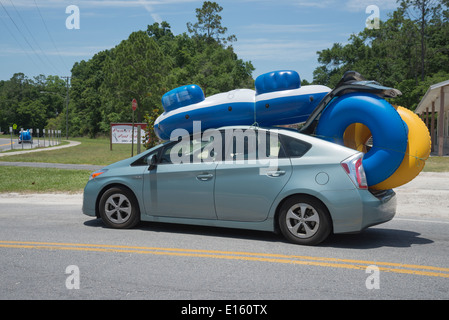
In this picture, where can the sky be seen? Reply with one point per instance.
(44, 37)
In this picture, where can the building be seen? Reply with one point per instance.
(436, 104)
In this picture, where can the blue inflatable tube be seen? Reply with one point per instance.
(389, 131)
(278, 99)
(25, 135)
(231, 108)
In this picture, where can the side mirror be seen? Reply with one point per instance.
(152, 161)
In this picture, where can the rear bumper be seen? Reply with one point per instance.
(354, 210)
(378, 208)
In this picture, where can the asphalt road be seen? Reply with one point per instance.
(50, 250)
(5, 144)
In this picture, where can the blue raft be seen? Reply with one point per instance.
(278, 99)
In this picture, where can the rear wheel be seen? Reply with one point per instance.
(304, 220)
(119, 208)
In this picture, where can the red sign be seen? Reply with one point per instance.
(134, 104)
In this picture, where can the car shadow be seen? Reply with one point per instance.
(199, 230)
(370, 238)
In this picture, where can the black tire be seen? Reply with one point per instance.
(119, 208)
(304, 220)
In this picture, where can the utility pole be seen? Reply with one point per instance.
(67, 109)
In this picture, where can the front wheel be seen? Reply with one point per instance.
(304, 220)
(119, 208)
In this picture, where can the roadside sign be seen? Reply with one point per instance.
(134, 104)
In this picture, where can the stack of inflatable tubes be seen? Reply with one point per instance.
(401, 142)
(417, 149)
(279, 99)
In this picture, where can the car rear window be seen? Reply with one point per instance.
(293, 147)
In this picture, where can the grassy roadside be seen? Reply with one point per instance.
(40, 180)
(437, 164)
(90, 151)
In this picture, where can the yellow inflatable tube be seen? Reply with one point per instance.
(356, 137)
(418, 148)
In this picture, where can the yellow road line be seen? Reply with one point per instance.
(6, 144)
(237, 255)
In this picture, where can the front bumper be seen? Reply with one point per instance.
(90, 199)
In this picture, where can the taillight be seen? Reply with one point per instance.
(353, 166)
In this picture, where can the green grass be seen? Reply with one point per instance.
(437, 164)
(40, 180)
(90, 151)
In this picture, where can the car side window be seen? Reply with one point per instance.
(253, 145)
(142, 161)
(294, 148)
(273, 147)
(192, 150)
(165, 157)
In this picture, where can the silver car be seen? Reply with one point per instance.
(242, 177)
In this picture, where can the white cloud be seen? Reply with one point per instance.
(361, 5)
(316, 3)
(79, 51)
(282, 50)
(348, 5)
(284, 28)
(94, 3)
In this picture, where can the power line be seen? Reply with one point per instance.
(20, 44)
(24, 37)
(26, 40)
(32, 37)
(49, 35)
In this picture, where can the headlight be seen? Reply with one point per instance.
(97, 173)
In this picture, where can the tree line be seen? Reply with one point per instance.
(143, 67)
(30, 103)
(409, 51)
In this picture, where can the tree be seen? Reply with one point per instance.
(85, 97)
(209, 26)
(147, 65)
(137, 70)
(30, 102)
(422, 12)
(404, 52)
(160, 32)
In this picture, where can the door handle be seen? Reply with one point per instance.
(275, 173)
(205, 176)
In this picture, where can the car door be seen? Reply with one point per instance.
(252, 174)
(181, 184)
